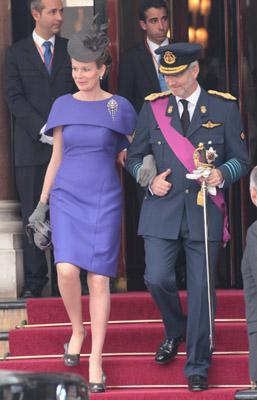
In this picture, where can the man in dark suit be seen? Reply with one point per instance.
(37, 71)
(249, 273)
(171, 126)
(138, 77)
(138, 69)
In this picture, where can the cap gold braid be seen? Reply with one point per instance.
(173, 70)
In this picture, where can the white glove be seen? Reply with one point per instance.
(147, 171)
(45, 138)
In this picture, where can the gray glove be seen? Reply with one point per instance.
(147, 171)
(39, 214)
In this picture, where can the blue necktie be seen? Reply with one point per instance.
(163, 84)
(48, 55)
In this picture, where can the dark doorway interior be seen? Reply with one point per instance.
(22, 22)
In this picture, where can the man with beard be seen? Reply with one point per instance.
(171, 126)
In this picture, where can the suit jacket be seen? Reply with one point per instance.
(249, 273)
(137, 75)
(30, 93)
(161, 216)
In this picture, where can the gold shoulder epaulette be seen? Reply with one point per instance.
(154, 96)
(224, 95)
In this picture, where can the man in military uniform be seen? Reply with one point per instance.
(171, 125)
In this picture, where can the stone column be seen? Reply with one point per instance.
(11, 260)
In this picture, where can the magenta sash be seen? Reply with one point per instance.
(184, 150)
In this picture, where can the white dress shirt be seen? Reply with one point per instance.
(152, 47)
(41, 49)
(192, 101)
(39, 43)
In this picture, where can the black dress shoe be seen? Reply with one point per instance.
(27, 293)
(197, 383)
(168, 350)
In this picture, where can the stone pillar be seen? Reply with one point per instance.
(11, 254)
(11, 260)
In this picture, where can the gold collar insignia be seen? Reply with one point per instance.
(170, 110)
(203, 109)
(210, 125)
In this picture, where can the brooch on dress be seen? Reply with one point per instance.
(112, 106)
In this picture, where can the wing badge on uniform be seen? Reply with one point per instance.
(211, 125)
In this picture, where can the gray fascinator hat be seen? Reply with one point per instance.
(89, 44)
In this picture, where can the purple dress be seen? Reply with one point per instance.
(86, 198)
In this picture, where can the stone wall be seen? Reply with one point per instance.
(11, 260)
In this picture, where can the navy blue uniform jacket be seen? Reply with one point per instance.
(161, 216)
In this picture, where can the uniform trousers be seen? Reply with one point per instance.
(253, 356)
(160, 279)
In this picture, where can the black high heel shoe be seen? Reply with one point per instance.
(98, 387)
(70, 360)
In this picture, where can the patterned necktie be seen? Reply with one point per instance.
(48, 55)
(185, 117)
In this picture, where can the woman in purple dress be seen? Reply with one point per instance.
(89, 129)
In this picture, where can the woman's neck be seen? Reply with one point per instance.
(92, 96)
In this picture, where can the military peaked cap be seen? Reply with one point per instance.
(176, 58)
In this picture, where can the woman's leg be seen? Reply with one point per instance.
(99, 308)
(70, 290)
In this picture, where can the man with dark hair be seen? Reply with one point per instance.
(173, 126)
(37, 71)
(144, 6)
(138, 71)
(138, 77)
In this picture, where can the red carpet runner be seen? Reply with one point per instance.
(130, 346)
